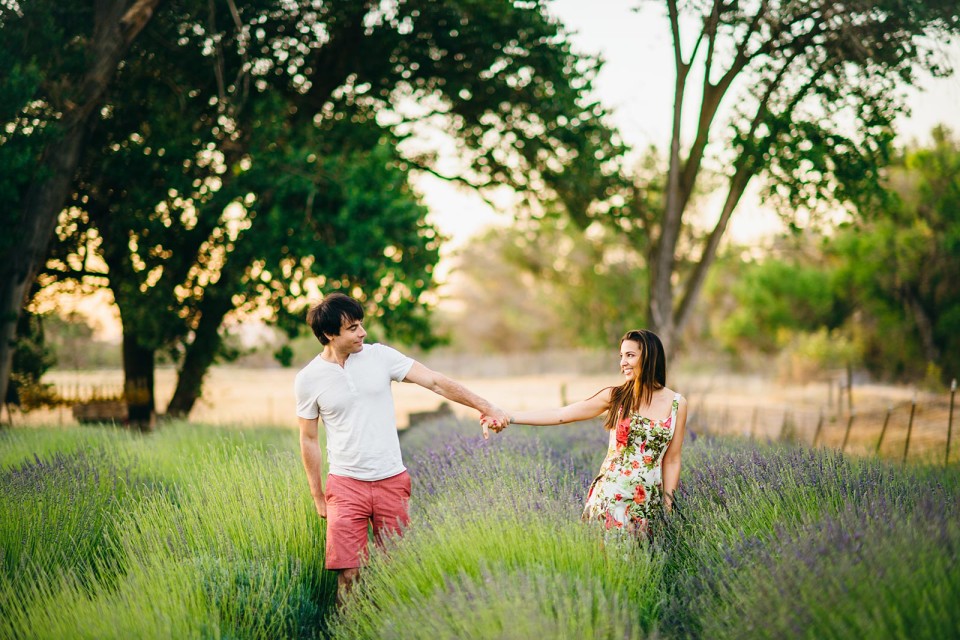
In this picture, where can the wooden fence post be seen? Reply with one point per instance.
(953, 392)
(906, 445)
(883, 431)
(753, 424)
(786, 424)
(816, 434)
(850, 387)
(846, 434)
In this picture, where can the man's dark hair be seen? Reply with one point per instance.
(329, 315)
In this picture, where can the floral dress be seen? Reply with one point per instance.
(629, 488)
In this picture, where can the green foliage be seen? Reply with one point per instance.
(29, 34)
(776, 295)
(880, 291)
(900, 265)
(244, 162)
(32, 358)
(805, 355)
(190, 532)
(198, 532)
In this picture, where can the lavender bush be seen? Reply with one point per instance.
(60, 516)
(214, 534)
(785, 542)
(496, 549)
(198, 532)
(875, 570)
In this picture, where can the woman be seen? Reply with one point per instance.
(646, 421)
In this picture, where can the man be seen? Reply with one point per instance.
(348, 387)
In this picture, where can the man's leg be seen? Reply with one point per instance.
(348, 514)
(346, 578)
(391, 506)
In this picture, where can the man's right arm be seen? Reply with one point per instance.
(313, 461)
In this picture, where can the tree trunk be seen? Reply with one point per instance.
(35, 227)
(924, 327)
(138, 379)
(198, 358)
(216, 304)
(115, 27)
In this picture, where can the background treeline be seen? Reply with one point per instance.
(878, 291)
(245, 157)
(204, 164)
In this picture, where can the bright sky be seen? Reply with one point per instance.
(636, 85)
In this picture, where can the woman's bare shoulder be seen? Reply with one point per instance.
(667, 392)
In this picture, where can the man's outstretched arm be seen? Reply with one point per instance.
(456, 392)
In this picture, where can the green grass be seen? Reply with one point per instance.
(200, 532)
(496, 550)
(187, 532)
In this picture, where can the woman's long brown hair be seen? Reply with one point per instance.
(638, 392)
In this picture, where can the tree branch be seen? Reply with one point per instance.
(478, 188)
(747, 167)
(710, 28)
(661, 259)
(675, 31)
(710, 104)
(217, 58)
(68, 272)
(738, 184)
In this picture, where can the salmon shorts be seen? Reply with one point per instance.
(352, 505)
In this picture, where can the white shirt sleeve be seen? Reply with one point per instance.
(397, 364)
(306, 397)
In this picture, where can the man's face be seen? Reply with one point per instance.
(350, 338)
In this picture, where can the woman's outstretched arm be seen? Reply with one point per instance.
(671, 459)
(583, 410)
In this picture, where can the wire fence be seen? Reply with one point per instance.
(919, 429)
(836, 410)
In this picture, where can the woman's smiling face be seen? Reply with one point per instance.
(630, 359)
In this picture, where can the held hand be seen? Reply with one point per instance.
(501, 418)
(486, 422)
(496, 422)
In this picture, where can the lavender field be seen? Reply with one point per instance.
(205, 532)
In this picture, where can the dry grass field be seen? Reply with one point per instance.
(750, 406)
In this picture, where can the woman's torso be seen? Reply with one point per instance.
(640, 440)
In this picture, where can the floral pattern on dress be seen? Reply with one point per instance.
(629, 488)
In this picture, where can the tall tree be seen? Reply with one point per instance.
(802, 94)
(249, 151)
(59, 60)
